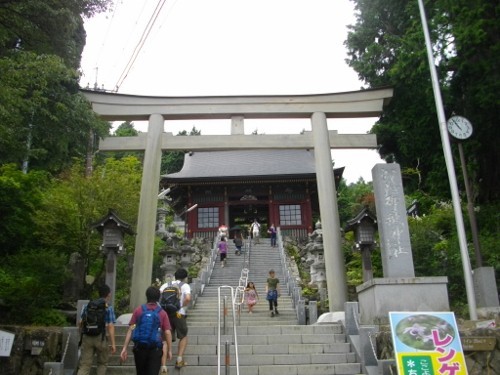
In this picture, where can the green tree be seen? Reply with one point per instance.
(126, 129)
(386, 47)
(353, 198)
(32, 281)
(44, 120)
(47, 27)
(172, 161)
(20, 194)
(67, 211)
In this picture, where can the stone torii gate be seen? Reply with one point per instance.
(356, 104)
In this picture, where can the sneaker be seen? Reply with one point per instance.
(272, 314)
(276, 312)
(179, 365)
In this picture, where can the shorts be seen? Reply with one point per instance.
(179, 325)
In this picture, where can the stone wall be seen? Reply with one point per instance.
(27, 355)
(483, 362)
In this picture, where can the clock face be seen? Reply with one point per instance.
(459, 127)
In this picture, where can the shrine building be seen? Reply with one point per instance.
(235, 187)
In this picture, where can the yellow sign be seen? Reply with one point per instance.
(427, 343)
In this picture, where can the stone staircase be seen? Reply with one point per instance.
(266, 345)
(261, 259)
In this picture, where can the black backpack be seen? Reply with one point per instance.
(94, 318)
(170, 299)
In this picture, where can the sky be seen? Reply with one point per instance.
(229, 47)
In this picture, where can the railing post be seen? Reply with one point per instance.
(351, 313)
(53, 368)
(301, 312)
(195, 290)
(367, 347)
(219, 329)
(203, 278)
(228, 358)
(313, 312)
(224, 314)
(70, 337)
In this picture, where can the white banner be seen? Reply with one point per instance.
(6, 342)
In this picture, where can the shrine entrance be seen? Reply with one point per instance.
(242, 214)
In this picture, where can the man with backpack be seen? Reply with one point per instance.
(149, 328)
(97, 318)
(177, 311)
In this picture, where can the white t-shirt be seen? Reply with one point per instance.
(185, 290)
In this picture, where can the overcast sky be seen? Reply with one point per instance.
(229, 47)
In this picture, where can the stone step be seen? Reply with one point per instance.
(284, 306)
(296, 346)
(255, 369)
(248, 360)
(277, 330)
(296, 349)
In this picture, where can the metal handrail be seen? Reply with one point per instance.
(293, 288)
(240, 290)
(247, 252)
(63, 357)
(219, 328)
(206, 274)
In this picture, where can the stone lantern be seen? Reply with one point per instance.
(187, 252)
(315, 257)
(170, 252)
(113, 230)
(364, 226)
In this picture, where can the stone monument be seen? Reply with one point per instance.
(399, 289)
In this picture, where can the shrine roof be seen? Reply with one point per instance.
(248, 163)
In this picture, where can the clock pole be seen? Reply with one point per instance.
(445, 140)
(470, 208)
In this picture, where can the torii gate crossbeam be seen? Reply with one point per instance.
(116, 107)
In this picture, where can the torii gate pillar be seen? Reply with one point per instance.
(327, 194)
(146, 220)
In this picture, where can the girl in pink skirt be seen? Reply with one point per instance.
(251, 296)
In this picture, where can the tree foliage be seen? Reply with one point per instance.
(20, 194)
(125, 129)
(65, 215)
(47, 27)
(32, 282)
(353, 198)
(172, 161)
(43, 117)
(44, 120)
(386, 47)
(57, 217)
